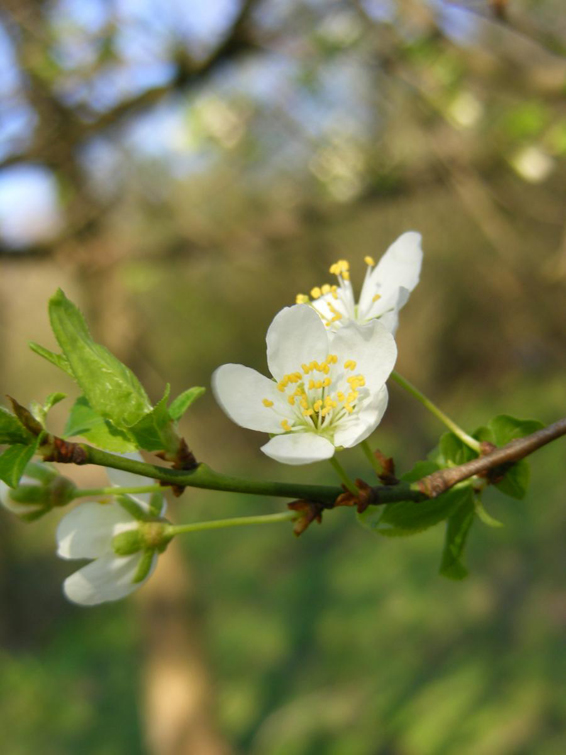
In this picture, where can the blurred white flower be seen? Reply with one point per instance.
(89, 532)
(328, 390)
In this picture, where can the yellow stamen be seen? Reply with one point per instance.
(349, 364)
(369, 261)
(346, 275)
(326, 382)
(308, 412)
(306, 368)
(302, 299)
(317, 406)
(316, 293)
(291, 400)
(266, 402)
(286, 426)
(377, 297)
(325, 289)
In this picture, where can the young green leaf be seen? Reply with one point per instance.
(84, 421)
(453, 451)
(40, 411)
(516, 481)
(180, 405)
(409, 517)
(457, 531)
(58, 360)
(11, 429)
(506, 428)
(154, 431)
(14, 461)
(111, 389)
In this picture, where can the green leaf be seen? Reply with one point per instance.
(453, 451)
(516, 481)
(154, 432)
(58, 360)
(180, 405)
(14, 461)
(409, 517)
(457, 531)
(84, 421)
(112, 390)
(11, 429)
(506, 428)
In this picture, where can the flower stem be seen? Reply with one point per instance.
(112, 490)
(438, 413)
(343, 475)
(370, 457)
(240, 521)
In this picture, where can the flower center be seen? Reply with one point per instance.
(319, 395)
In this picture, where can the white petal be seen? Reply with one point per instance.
(87, 531)
(399, 266)
(121, 479)
(240, 392)
(299, 448)
(371, 346)
(360, 425)
(295, 336)
(108, 578)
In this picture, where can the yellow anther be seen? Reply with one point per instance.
(311, 385)
(291, 400)
(307, 412)
(286, 426)
(326, 382)
(330, 402)
(340, 396)
(266, 402)
(302, 299)
(333, 291)
(331, 359)
(377, 297)
(325, 289)
(304, 403)
(369, 261)
(349, 364)
(306, 368)
(346, 275)
(317, 406)
(281, 387)
(352, 397)
(348, 408)
(316, 293)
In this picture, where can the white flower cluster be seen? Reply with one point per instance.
(329, 358)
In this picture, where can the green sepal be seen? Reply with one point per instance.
(155, 431)
(133, 508)
(11, 429)
(144, 566)
(59, 360)
(111, 389)
(127, 543)
(84, 421)
(14, 460)
(156, 504)
(180, 405)
(457, 531)
(39, 470)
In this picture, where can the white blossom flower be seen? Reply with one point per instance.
(386, 288)
(88, 532)
(328, 390)
(39, 490)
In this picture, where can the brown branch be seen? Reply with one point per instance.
(491, 465)
(501, 458)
